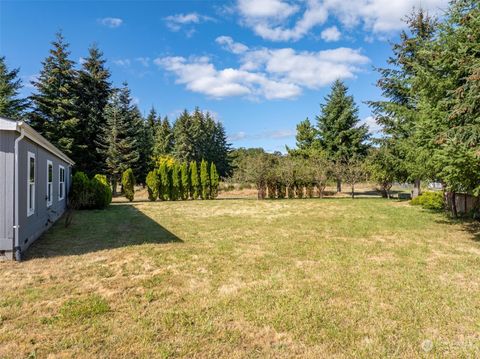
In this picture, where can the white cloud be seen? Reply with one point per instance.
(237, 136)
(144, 61)
(373, 126)
(230, 45)
(111, 22)
(122, 62)
(268, 18)
(198, 74)
(331, 34)
(264, 73)
(176, 22)
(275, 135)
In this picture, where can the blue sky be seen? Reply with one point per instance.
(259, 66)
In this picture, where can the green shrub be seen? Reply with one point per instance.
(153, 185)
(194, 180)
(165, 181)
(80, 194)
(205, 180)
(102, 193)
(214, 181)
(176, 182)
(90, 194)
(128, 183)
(185, 181)
(430, 200)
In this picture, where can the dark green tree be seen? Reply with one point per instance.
(214, 181)
(339, 131)
(204, 180)
(163, 141)
(11, 105)
(54, 113)
(176, 182)
(185, 181)
(184, 141)
(93, 90)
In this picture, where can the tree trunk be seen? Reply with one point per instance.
(353, 191)
(339, 185)
(416, 189)
(454, 204)
(114, 187)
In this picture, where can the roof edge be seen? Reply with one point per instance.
(7, 124)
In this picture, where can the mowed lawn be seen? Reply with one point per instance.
(246, 278)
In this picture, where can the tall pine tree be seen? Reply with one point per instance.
(163, 140)
(11, 105)
(93, 91)
(54, 113)
(340, 135)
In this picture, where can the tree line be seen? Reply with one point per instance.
(99, 126)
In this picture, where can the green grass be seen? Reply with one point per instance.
(245, 278)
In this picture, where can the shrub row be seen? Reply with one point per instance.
(430, 200)
(181, 181)
(88, 193)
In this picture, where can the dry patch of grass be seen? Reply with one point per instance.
(243, 278)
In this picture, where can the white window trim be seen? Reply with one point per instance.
(49, 203)
(61, 185)
(31, 211)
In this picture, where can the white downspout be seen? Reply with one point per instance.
(16, 225)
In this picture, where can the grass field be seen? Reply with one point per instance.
(245, 278)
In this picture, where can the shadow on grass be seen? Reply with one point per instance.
(468, 225)
(118, 226)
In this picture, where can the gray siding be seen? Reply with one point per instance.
(31, 227)
(7, 141)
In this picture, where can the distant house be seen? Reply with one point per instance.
(34, 183)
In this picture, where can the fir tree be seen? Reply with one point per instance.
(184, 148)
(214, 181)
(93, 91)
(204, 180)
(163, 140)
(194, 180)
(11, 105)
(186, 187)
(54, 114)
(339, 133)
(306, 136)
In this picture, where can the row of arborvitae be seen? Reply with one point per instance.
(88, 193)
(172, 180)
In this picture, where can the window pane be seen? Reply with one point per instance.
(32, 169)
(50, 173)
(30, 189)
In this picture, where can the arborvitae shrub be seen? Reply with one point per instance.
(80, 193)
(176, 181)
(214, 181)
(90, 194)
(194, 180)
(128, 183)
(103, 191)
(185, 181)
(165, 180)
(205, 180)
(153, 185)
(430, 200)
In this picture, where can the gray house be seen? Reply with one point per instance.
(35, 177)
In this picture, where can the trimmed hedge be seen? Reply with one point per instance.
(430, 200)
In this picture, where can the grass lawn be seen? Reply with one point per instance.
(245, 278)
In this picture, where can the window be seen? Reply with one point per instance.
(61, 183)
(49, 183)
(31, 184)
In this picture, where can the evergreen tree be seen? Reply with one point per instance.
(205, 179)
(128, 184)
(214, 181)
(306, 135)
(152, 185)
(163, 141)
(186, 187)
(221, 150)
(165, 181)
(54, 114)
(184, 143)
(176, 182)
(11, 105)
(339, 133)
(93, 90)
(194, 180)
(114, 142)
